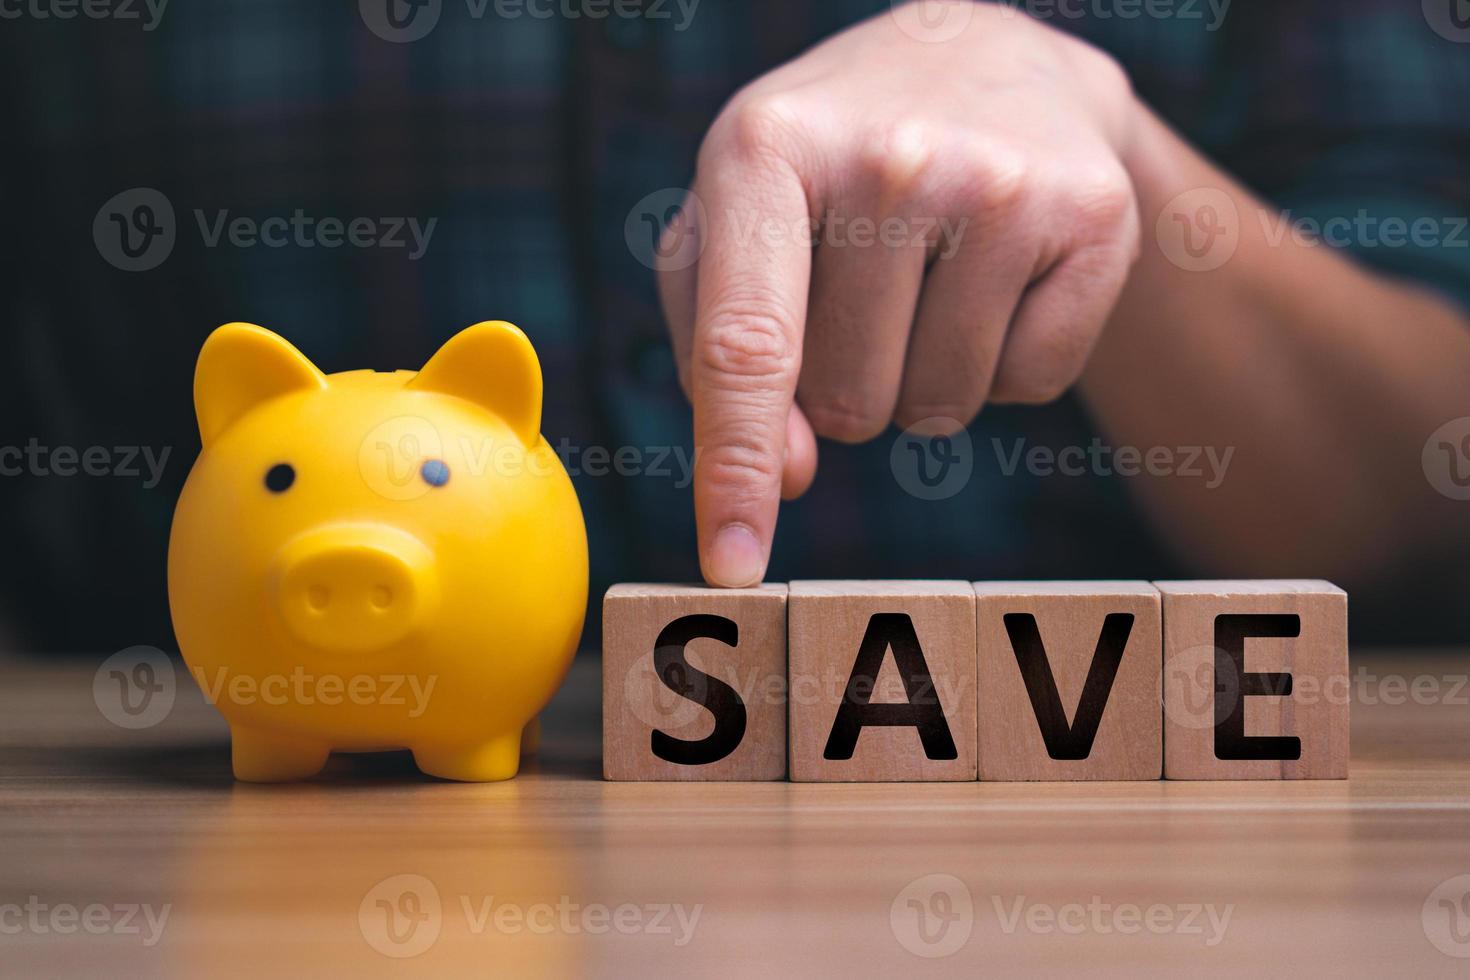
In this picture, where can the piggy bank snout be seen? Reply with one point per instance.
(354, 588)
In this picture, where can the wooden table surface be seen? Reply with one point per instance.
(132, 852)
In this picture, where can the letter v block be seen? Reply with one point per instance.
(694, 683)
(1069, 680)
(882, 681)
(1256, 680)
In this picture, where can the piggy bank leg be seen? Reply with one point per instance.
(481, 762)
(267, 757)
(531, 736)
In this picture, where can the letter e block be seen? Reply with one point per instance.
(882, 681)
(694, 683)
(1069, 680)
(1256, 680)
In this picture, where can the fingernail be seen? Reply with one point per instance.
(736, 559)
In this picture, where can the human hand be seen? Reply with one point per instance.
(974, 225)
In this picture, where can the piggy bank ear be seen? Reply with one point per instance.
(241, 366)
(495, 366)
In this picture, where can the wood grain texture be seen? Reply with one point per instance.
(636, 703)
(1079, 625)
(1304, 623)
(1322, 878)
(898, 629)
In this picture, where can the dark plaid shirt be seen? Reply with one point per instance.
(530, 139)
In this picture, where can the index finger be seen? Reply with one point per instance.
(750, 312)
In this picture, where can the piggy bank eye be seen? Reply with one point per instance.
(434, 472)
(278, 478)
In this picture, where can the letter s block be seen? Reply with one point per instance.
(1256, 680)
(882, 681)
(694, 683)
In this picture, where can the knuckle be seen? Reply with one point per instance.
(897, 158)
(735, 465)
(1101, 198)
(843, 418)
(751, 345)
(997, 176)
(756, 125)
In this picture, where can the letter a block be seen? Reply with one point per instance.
(694, 683)
(1069, 680)
(882, 681)
(1255, 680)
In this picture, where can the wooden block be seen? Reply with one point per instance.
(882, 681)
(1069, 680)
(1255, 680)
(694, 683)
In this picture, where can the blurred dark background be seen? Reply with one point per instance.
(535, 143)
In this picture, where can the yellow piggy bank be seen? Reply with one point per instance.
(368, 561)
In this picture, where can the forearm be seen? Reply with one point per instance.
(1325, 380)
